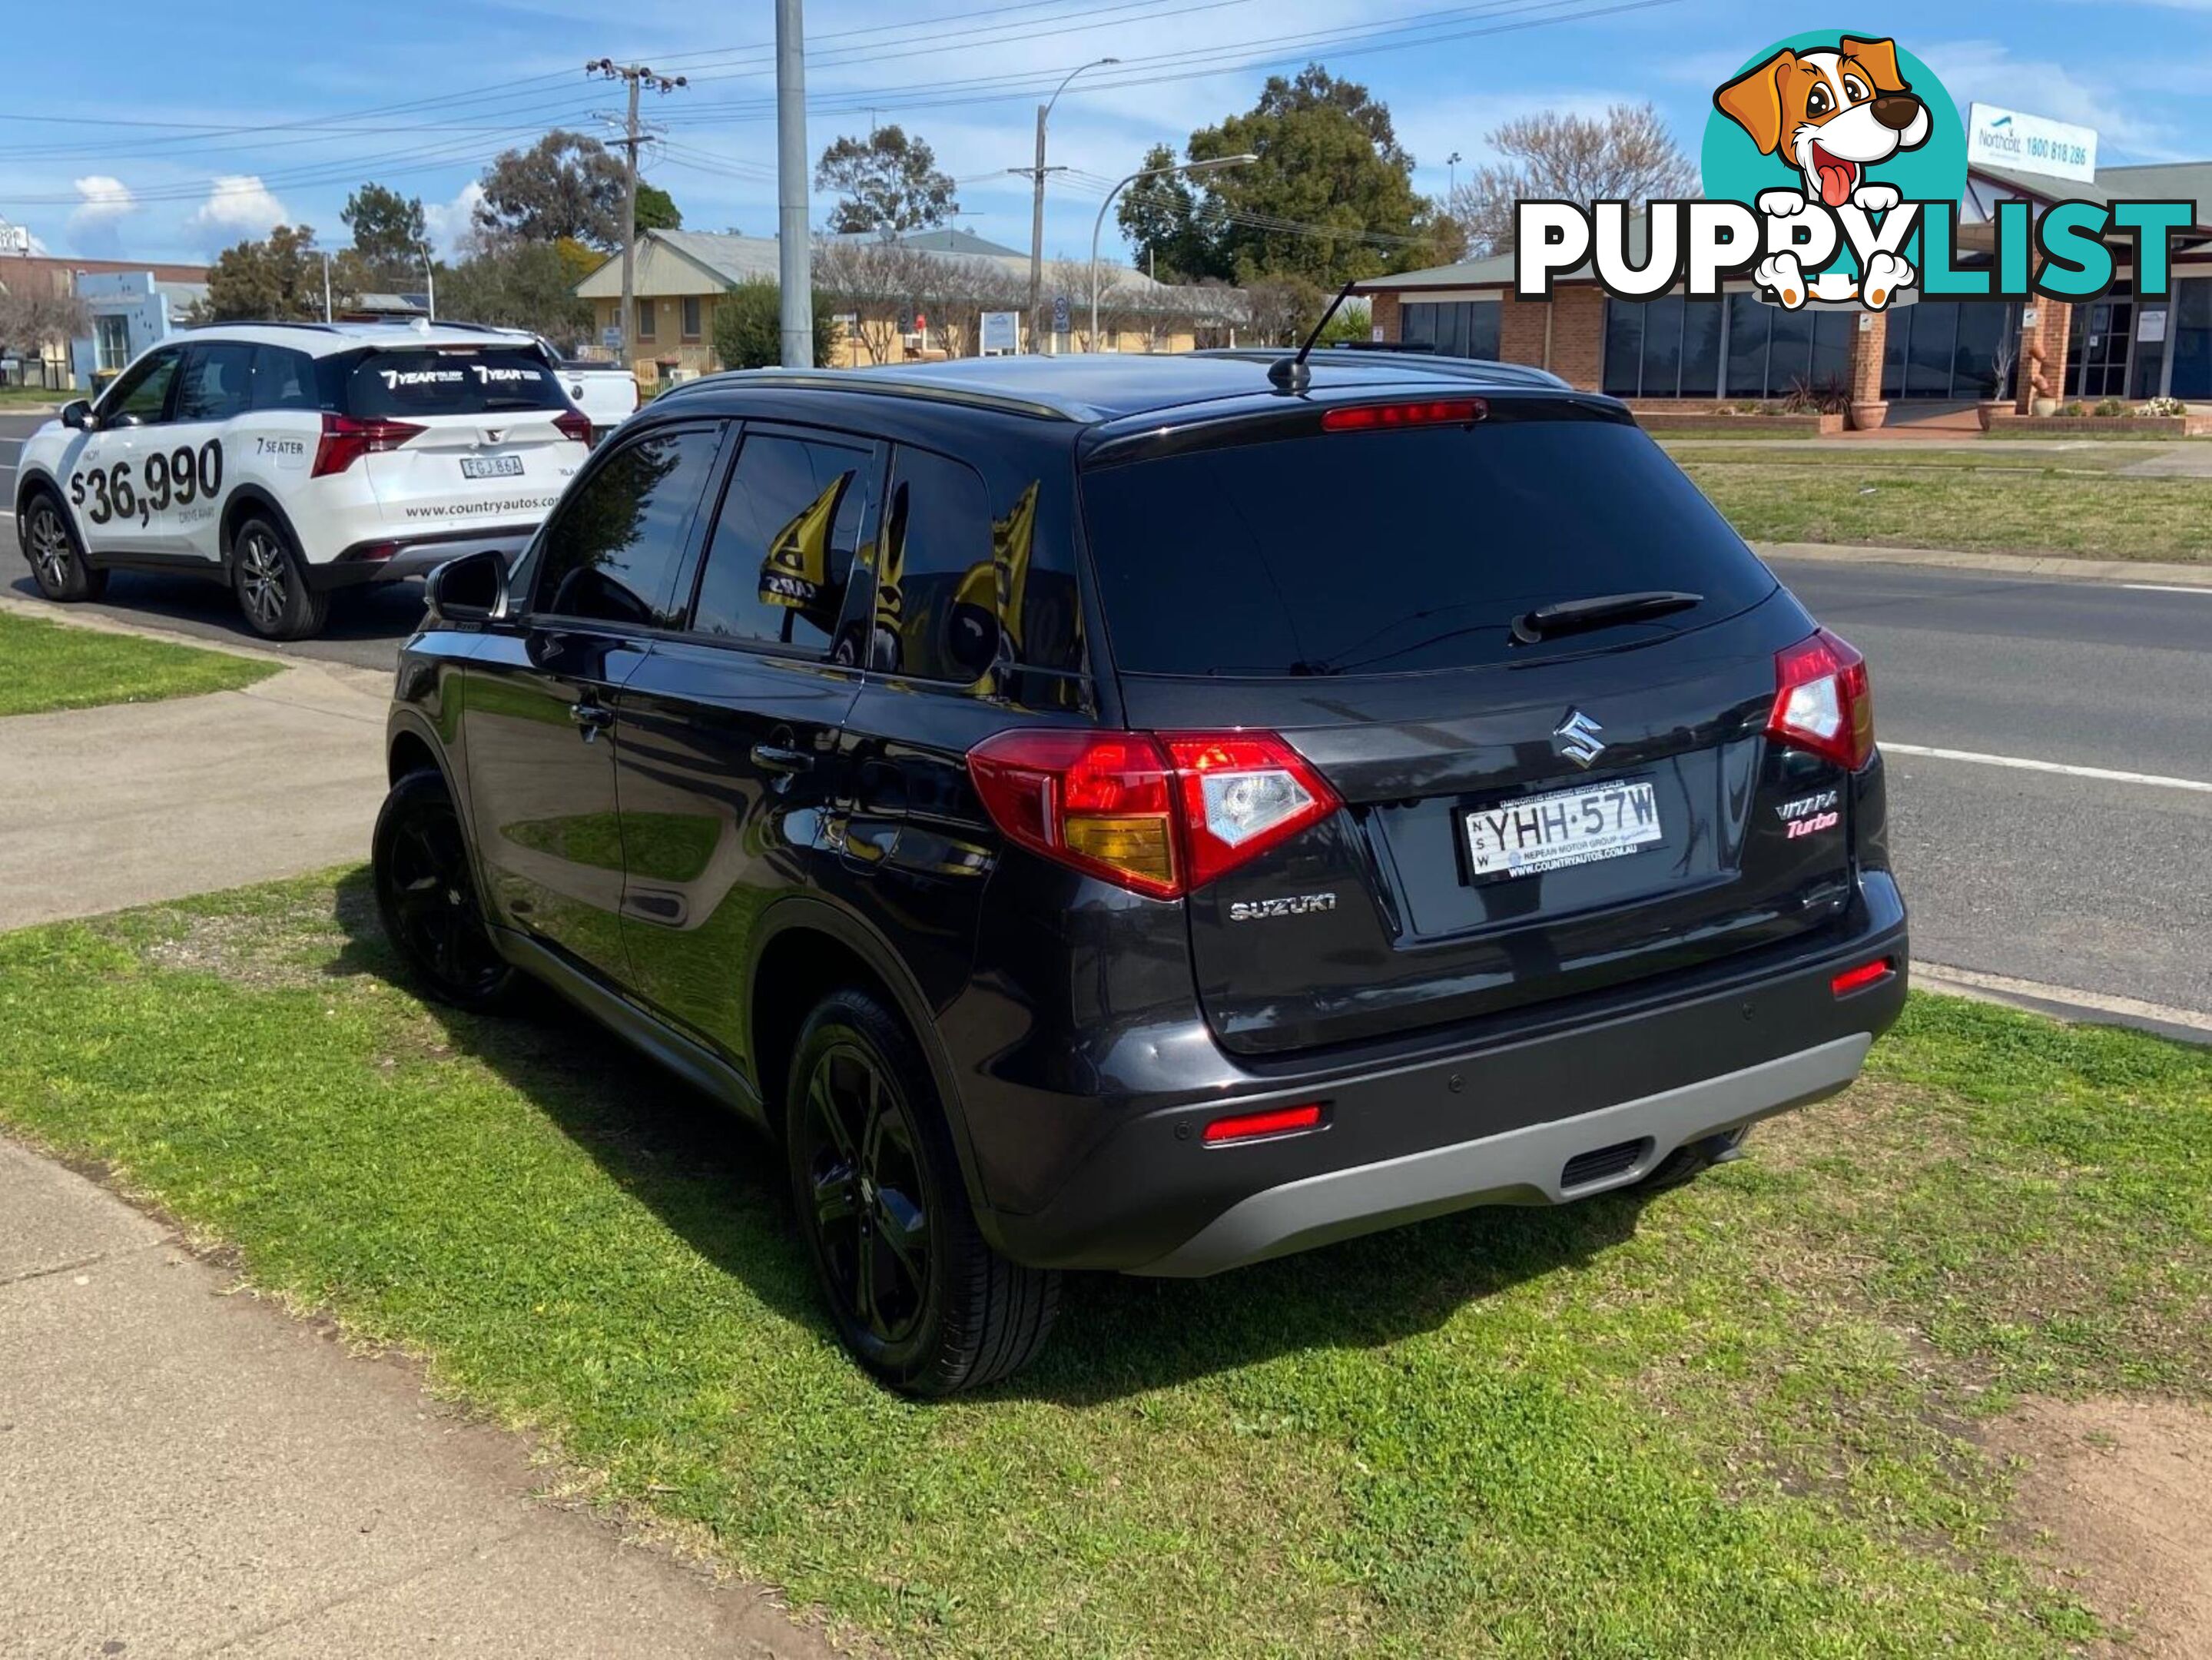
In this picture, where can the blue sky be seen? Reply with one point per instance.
(168, 131)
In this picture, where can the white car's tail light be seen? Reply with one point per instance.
(345, 440)
(1158, 814)
(1823, 701)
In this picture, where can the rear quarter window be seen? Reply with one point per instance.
(1399, 551)
(465, 380)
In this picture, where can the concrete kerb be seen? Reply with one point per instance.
(2024, 567)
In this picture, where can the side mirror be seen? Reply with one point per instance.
(469, 588)
(77, 413)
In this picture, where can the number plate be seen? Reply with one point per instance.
(491, 466)
(1567, 827)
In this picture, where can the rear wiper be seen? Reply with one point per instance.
(1602, 611)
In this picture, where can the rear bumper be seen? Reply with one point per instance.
(1522, 1166)
(1496, 1118)
(392, 560)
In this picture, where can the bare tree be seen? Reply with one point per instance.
(1627, 155)
(1279, 310)
(34, 316)
(877, 281)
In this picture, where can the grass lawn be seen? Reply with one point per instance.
(51, 666)
(1740, 1419)
(2004, 501)
(30, 399)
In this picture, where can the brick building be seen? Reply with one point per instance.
(1674, 352)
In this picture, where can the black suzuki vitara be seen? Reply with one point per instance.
(1125, 813)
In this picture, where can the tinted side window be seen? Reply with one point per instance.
(143, 391)
(784, 544)
(937, 599)
(217, 383)
(612, 548)
(284, 379)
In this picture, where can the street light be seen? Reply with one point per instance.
(1149, 172)
(1036, 174)
(430, 279)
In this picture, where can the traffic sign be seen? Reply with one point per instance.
(610, 337)
(1059, 313)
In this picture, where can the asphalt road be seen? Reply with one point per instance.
(2035, 873)
(2053, 877)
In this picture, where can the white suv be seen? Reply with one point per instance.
(287, 461)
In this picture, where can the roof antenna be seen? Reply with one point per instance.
(1290, 373)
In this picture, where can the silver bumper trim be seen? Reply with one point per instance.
(1522, 1166)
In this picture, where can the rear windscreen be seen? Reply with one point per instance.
(1396, 552)
(469, 380)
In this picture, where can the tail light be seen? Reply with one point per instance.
(575, 423)
(1823, 701)
(346, 440)
(1158, 814)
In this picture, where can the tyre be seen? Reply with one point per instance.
(917, 1295)
(1692, 1160)
(56, 557)
(427, 896)
(271, 582)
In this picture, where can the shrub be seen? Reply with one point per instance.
(2164, 406)
(2069, 408)
(2110, 406)
(1831, 396)
(748, 327)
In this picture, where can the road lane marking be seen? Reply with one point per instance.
(2021, 763)
(1970, 982)
(2168, 587)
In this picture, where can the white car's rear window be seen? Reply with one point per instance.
(451, 380)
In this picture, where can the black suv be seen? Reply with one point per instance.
(1116, 813)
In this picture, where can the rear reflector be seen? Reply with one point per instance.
(1376, 417)
(1859, 979)
(1251, 1126)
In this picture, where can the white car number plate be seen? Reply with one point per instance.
(1567, 827)
(491, 466)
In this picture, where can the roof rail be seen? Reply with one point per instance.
(1451, 368)
(893, 385)
(263, 323)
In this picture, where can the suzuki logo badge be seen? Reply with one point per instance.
(1577, 738)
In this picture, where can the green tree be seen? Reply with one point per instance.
(748, 327)
(565, 185)
(511, 283)
(279, 280)
(1331, 197)
(389, 233)
(656, 209)
(887, 183)
(1160, 217)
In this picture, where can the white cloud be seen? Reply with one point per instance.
(1989, 69)
(106, 199)
(237, 206)
(447, 223)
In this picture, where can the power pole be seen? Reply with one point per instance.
(636, 74)
(1036, 196)
(793, 268)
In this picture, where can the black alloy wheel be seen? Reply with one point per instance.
(916, 1293)
(868, 1204)
(426, 894)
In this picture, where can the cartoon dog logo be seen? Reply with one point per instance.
(1832, 115)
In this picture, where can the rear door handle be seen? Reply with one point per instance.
(591, 719)
(774, 757)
